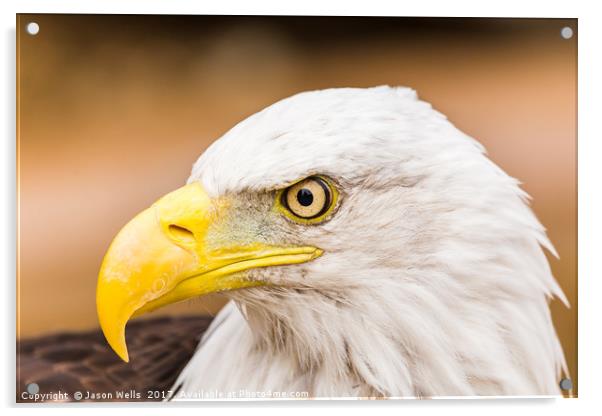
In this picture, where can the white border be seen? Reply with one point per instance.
(590, 204)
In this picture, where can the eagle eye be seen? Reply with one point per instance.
(308, 200)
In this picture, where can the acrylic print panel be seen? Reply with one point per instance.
(331, 206)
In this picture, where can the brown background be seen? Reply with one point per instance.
(113, 111)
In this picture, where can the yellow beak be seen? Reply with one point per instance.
(165, 255)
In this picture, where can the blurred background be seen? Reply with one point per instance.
(114, 110)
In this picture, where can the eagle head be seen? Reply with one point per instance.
(365, 240)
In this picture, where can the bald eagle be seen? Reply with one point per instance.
(368, 247)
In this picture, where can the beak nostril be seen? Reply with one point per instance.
(181, 234)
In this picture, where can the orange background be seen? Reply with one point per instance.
(113, 111)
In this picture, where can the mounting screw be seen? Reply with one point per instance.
(566, 384)
(32, 28)
(33, 388)
(566, 32)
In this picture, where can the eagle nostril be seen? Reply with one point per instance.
(181, 234)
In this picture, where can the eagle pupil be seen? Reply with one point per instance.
(305, 197)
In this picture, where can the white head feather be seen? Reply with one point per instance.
(433, 281)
